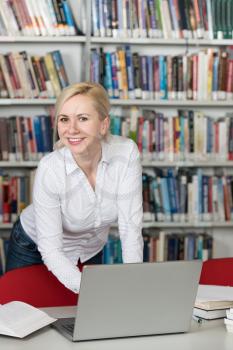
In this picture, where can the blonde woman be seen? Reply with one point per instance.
(88, 182)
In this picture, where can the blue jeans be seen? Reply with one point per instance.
(23, 251)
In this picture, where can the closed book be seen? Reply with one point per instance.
(209, 314)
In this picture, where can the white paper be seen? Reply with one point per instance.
(19, 319)
(214, 293)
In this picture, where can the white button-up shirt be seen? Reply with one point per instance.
(70, 221)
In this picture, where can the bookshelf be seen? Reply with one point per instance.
(74, 48)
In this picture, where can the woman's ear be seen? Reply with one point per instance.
(105, 126)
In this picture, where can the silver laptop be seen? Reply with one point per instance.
(128, 300)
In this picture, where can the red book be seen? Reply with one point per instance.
(140, 131)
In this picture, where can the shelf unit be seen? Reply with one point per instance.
(87, 42)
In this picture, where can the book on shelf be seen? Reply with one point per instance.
(15, 192)
(166, 19)
(202, 76)
(43, 18)
(187, 135)
(187, 196)
(25, 76)
(169, 246)
(25, 138)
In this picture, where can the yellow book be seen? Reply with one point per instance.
(52, 73)
(121, 57)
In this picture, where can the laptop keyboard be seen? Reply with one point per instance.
(68, 325)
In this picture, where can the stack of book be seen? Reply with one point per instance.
(229, 320)
(213, 302)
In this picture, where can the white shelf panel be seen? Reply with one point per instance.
(6, 226)
(43, 39)
(117, 102)
(155, 224)
(166, 42)
(169, 103)
(187, 224)
(25, 101)
(163, 225)
(188, 164)
(23, 164)
(146, 164)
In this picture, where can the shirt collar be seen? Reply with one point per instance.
(71, 165)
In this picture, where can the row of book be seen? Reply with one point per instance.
(25, 138)
(167, 246)
(205, 75)
(32, 76)
(33, 18)
(187, 196)
(192, 197)
(157, 248)
(164, 246)
(15, 195)
(208, 19)
(190, 135)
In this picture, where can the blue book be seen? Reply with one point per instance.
(146, 252)
(115, 125)
(165, 199)
(190, 246)
(162, 77)
(60, 68)
(46, 127)
(182, 140)
(95, 66)
(107, 256)
(95, 17)
(209, 143)
(215, 77)
(144, 77)
(152, 29)
(171, 190)
(172, 247)
(149, 62)
(38, 135)
(129, 69)
(108, 75)
(115, 85)
(69, 17)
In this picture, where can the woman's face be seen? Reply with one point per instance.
(79, 125)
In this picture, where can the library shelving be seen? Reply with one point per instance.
(75, 48)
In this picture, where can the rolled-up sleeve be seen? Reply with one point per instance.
(48, 220)
(130, 212)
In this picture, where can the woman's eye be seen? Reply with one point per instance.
(63, 120)
(83, 119)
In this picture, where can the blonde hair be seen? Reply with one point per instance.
(95, 91)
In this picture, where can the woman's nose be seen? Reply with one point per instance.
(74, 127)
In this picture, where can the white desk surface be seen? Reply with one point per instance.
(209, 335)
